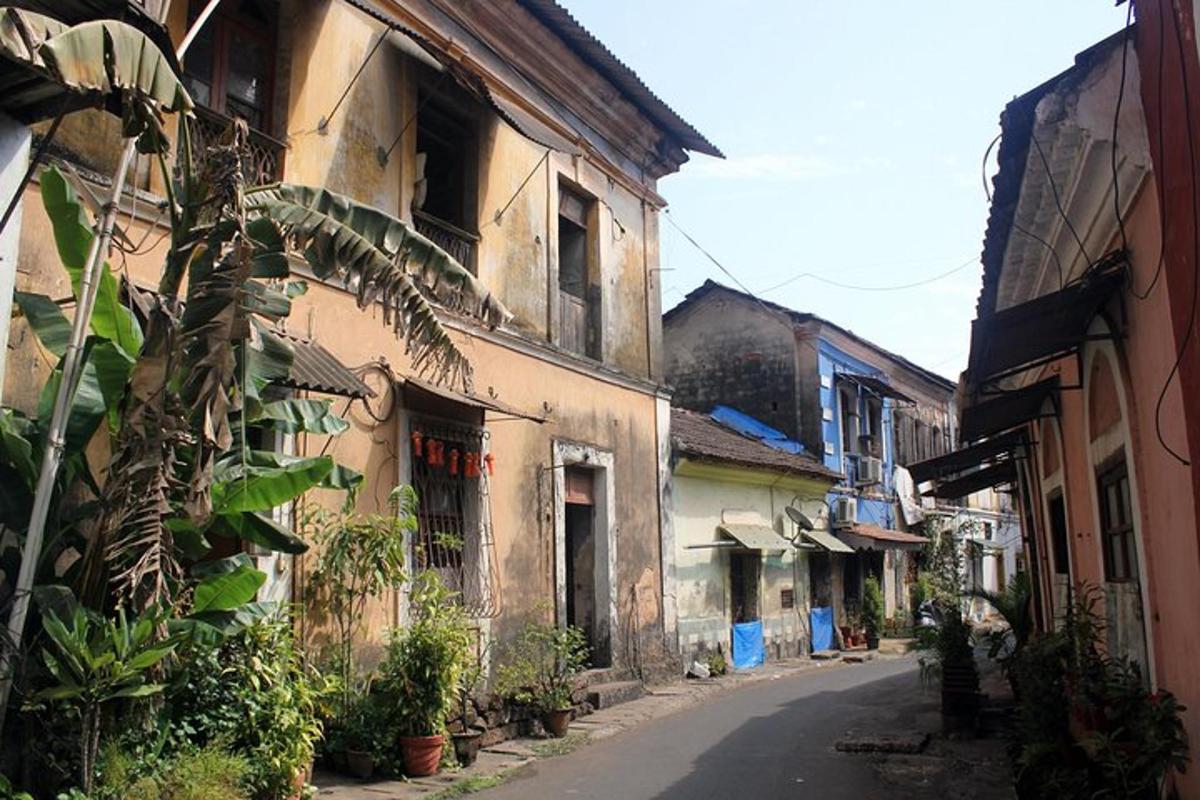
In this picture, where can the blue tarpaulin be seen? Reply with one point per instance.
(749, 426)
(748, 645)
(822, 628)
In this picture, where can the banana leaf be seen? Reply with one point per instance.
(225, 591)
(295, 416)
(250, 487)
(260, 530)
(383, 259)
(46, 319)
(106, 369)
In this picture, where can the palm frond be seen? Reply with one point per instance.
(381, 258)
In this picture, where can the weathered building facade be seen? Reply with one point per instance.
(738, 557)
(1078, 379)
(512, 138)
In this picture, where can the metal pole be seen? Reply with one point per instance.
(56, 438)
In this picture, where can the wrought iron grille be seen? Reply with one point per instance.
(454, 537)
(264, 157)
(458, 243)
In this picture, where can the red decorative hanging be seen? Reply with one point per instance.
(490, 460)
(454, 461)
(416, 444)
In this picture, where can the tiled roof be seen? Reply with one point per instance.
(700, 437)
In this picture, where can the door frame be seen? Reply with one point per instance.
(604, 531)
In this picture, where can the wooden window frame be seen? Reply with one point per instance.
(1117, 533)
(223, 22)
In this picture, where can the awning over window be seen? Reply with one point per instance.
(1006, 411)
(875, 385)
(827, 542)
(430, 391)
(1039, 331)
(967, 457)
(755, 537)
(316, 369)
(986, 478)
(872, 537)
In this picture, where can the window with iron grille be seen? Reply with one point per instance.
(1116, 524)
(450, 475)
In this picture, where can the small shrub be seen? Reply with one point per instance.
(872, 607)
(539, 666)
(715, 661)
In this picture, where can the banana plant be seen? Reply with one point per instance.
(96, 662)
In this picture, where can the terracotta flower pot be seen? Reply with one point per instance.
(361, 765)
(466, 747)
(421, 755)
(556, 722)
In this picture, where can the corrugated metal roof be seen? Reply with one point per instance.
(601, 59)
(318, 370)
(472, 400)
(827, 541)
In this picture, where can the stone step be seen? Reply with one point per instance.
(897, 647)
(606, 695)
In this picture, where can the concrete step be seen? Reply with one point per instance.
(606, 695)
(897, 647)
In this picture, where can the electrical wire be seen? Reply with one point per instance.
(1058, 198)
(1158, 183)
(1191, 324)
(860, 288)
(1116, 126)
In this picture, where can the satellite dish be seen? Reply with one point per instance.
(800, 518)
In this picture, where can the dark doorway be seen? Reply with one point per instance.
(852, 582)
(581, 559)
(1058, 534)
(743, 585)
(820, 580)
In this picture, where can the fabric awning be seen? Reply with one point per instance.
(873, 537)
(471, 400)
(827, 542)
(967, 457)
(316, 369)
(986, 478)
(875, 385)
(1006, 411)
(755, 537)
(1040, 330)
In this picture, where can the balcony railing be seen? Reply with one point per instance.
(264, 156)
(454, 240)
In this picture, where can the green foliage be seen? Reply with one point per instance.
(8, 793)
(96, 662)
(253, 693)
(539, 666)
(361, 557)
(872, 607)
(1014, 604)
(422, 671)
(715, 661)
(211, 772)
(1088, 727)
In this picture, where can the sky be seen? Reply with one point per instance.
(854, 134)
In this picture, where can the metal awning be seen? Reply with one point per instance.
(755, 537)
(873, 537)
(875, 385)
(986, 478)
(1006, 411)
(827, 542)
(1040, 330)
(516, 115)
(485, 404)
(967, 458)
(316, 369)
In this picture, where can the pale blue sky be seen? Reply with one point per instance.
(854, 133)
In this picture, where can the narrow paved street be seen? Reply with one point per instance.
(769, 739)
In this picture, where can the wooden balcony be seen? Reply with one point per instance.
(454, 240)
(264, 158)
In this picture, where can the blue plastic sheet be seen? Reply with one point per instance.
(749, 426)
(748, 648)
(822, 628)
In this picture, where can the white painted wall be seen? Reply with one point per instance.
(14, 159)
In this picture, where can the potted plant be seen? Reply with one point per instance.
(466, 741)
(422, 672)
(872, 611)
(539, 669)
(363, 733)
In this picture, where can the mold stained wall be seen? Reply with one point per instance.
(613, 409)
(700, 493)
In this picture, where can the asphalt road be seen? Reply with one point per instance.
(766, 740)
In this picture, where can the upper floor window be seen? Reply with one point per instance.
(444, 197)
(872, 436)
(229, 65)
(578, 279)
(848, 411)
(1116, 524)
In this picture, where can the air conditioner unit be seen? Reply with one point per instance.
(845, 512)
(870, 471)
